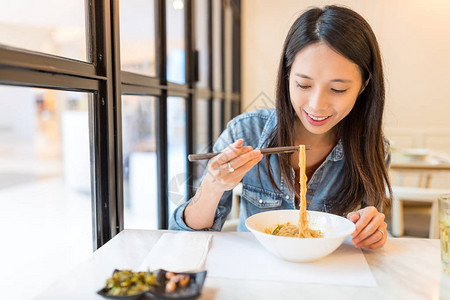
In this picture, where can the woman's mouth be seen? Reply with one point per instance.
(316, 120)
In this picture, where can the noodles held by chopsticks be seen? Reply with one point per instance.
(301, 230)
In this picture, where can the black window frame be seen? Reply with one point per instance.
(102, 76)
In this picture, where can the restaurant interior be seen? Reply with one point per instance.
(102, 101)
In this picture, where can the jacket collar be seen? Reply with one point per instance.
(337, 153)
(268, 127)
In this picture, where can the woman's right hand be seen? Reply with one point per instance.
(241, 159)
(224, 172)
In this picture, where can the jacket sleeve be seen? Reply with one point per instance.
(176, 221)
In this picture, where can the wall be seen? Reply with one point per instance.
(414, 37)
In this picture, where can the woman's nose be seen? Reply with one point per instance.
(318, 100)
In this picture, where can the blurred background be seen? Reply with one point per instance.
(414, 38)
(47, 191)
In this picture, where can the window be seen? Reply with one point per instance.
(53, 27)
(176, 108)
(202, 41)
(217, 45)
(235, 108)
(140, 187)
(97, 109)
(176, 50)
(201, 138)
(218, 118)
(138, 37)
(228, 47)
(45, 185)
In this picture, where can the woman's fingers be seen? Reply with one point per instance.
(375, 240)
(244, 158)
(369, 222)
(234, 156)
(365, 217)
(252, 159)
(354, 217)
(232, 151)
(241, 156)
(229, 167)
(378, 244)
(370, 228)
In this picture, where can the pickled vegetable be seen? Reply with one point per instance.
(127, 283)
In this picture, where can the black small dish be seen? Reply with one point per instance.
(103, 293)
(190, 292)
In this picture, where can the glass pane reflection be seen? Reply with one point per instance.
(137, 36)
(201, 137)
(201, 36)
(217, 45)
(175, 41)
(228, 47)
(176, 114)
(235, 108)
(53, 27)
(217, 118)
(139, 162)
(45, 187)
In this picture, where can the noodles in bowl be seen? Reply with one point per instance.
(301, 230)
(333, 228)
(291, 230)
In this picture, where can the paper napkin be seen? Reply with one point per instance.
(179, 252)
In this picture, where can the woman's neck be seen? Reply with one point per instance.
(303, 136)
(321, 146)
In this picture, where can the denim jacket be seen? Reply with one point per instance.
(258, 194)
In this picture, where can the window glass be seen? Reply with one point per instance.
(49, 26)
(45, 187)
(228, 47)
(175, 41)
(227, 111)
(217, 118)
(176, 114)
(201, 123)
(201, 36)
(235, 107)
(140, 187)
(137, 36)
(201, 137)
(217, 45)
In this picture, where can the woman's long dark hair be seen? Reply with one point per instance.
(365, 173)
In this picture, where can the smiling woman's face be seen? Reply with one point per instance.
(324, 86)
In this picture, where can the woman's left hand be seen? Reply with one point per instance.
(370, 229)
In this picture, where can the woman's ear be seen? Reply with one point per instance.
(363, 87)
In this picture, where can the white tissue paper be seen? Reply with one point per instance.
(179, 252)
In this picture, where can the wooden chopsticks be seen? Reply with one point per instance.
(273, 150)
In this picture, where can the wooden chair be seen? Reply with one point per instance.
(411, 179)
(402, 194)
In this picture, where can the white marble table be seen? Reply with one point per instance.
(404, 269)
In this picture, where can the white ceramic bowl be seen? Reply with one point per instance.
(416, 153)
(334, 228)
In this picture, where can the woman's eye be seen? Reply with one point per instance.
(303, 86)
(338, 91)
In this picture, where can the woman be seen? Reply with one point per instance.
(330, 95)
